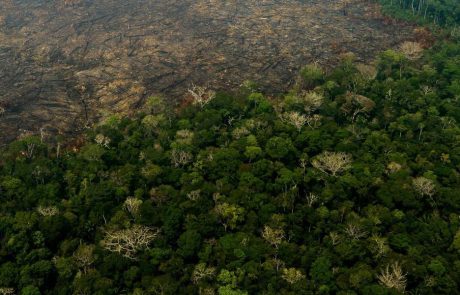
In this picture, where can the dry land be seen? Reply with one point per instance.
(65, 63)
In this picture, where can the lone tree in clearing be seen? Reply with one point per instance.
(332, 163)
(127, 242)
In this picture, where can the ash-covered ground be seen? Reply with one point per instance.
(63, 63)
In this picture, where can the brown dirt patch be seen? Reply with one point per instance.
(64, 63)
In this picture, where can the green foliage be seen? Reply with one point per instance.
(440, 12)
(238, 201)
(456, 243)
(279, 148)
(30, 290)
(189, 243)
(312, 75)
(320, 271)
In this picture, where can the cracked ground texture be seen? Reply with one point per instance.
(66, 63)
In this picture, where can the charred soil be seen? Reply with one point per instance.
(65, 63)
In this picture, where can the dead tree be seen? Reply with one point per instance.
(128, 242)
(102, 140)
(132, 205)
(355, 231)
(6, 291)
(311, 199)
(48, 211)
(292, 275)
(335, 238)
(393, 277)
(194, 195)
(201, 272)
(311, 101)
(180, 157)
(273, 236)
(357, 104)
(296, 119)
(201, 95)
(84, 257)
(314, 121)
(412, 50)
(381, 247)
(424, 187)
(332, 163)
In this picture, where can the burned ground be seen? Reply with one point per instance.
(64, 63)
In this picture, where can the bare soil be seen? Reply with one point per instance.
(65, 63)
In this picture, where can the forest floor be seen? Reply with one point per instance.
(66, 63)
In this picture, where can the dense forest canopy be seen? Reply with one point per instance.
(441, 12)
(347, 184)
